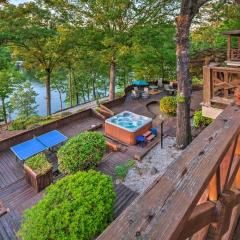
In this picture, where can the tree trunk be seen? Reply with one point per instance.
(184, 82)
(93, 87)
(60, 99)
(88, 91)
(4, 110)
(70, 88)
(48, 91)
(75, 88)
(112, 78)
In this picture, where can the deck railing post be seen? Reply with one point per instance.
(214, 188)
(224, 212)
(207, 85)
(237, 180)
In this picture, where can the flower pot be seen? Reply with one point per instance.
(40, 181)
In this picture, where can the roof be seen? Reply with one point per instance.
(232, 33)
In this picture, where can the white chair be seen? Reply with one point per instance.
(160, 83)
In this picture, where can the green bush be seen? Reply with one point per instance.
(168, 105)
(200, 121)
(38, 164)
(77, 207)
(121, 171)
(197, 81)
(17, 124)
(31, 122)
(81, 152)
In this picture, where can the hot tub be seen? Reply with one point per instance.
(126, 126)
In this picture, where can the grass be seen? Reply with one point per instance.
(38, 164)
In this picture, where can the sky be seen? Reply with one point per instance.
(18, 1)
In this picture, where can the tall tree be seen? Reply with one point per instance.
(23, 100)
(8, 79)
(38, 36)
(189, 9)
(115, 20)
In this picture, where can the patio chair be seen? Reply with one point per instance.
(145, 93)
(141, 141)
(135, 88)
(169, 89)
(160, 84)
(135, 94)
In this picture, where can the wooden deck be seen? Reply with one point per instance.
(17, 195)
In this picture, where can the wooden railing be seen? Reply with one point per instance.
(220, 84)
(235, 54)
(199, 194)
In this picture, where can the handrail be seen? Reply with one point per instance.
(179, 197)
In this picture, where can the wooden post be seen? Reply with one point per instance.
(229, 47)
(207, 85)
(237, 180)
(224, 213)
(214, 188)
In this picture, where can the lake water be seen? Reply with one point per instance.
(41, 99)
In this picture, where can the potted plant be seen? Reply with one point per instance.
(38, 172)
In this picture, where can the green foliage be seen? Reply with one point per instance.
(180, 99)
(77, 207)
(17, 124)
(31, 122)
(121, 171)
(81, 152)
(23, 100)
(168, 105)
(197, 81)
(200, 121)
(39, 164)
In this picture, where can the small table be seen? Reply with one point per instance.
(153, 87)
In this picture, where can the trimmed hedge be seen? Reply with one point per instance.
(39, 164)
(82, 152)
(200, 121)
(79, 206)
(168, 105)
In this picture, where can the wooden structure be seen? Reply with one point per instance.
(38, 181)
(221, 82)
(233, 49)
(198, 196)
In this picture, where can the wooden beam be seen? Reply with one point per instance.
(202, 216)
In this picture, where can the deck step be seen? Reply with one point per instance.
(219, 100)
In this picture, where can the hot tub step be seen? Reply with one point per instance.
(150, 137)
(146, 134)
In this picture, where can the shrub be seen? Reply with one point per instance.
(78, 206)
(168, 105)
(17, 124)
(81, 152)
(38, 164)
(121, 171)
(197, 81)
(200, 121)
(31, 122)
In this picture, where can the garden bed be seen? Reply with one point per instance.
(152, 165)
